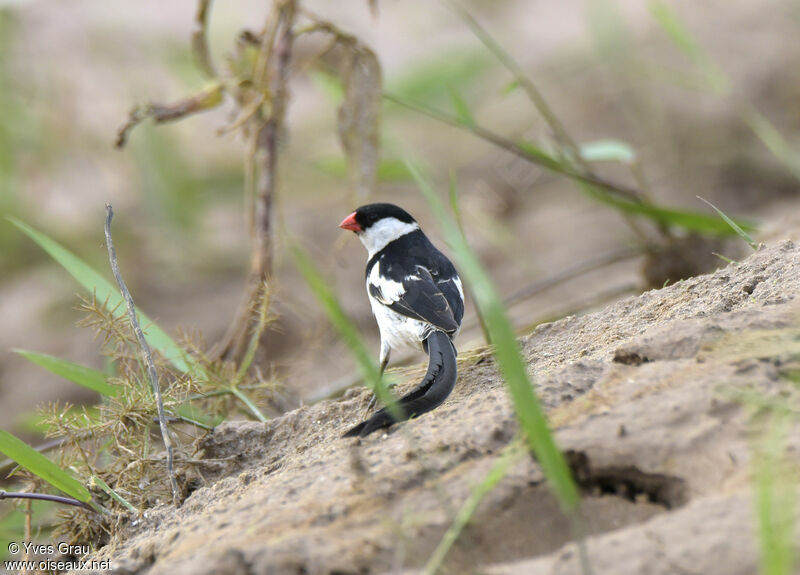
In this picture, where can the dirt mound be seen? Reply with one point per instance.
(641, 394)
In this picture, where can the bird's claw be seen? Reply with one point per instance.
(374, 399)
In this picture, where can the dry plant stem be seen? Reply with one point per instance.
(273, 64)
(28, 525)
(204, 100)
(533, 93)
(535, 96)
(146, 353)
(267, 148)
(619, 190)
(44, 497)
(200, 39)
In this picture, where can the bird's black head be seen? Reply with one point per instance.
(364, 217)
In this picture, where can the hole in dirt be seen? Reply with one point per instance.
(637, 487)
(524, 520)
(628, 357)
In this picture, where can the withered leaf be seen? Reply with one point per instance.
(359, 115)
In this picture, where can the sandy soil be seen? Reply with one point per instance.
(639, 391)
(640, 394)
(93, 62)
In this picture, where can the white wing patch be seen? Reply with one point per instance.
(391, 291)
(457, 280)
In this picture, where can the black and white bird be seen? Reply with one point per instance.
(418, 302)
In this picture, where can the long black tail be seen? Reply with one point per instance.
(429, 394)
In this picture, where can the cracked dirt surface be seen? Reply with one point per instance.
(642, 394)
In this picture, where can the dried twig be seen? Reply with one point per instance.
(146, 353)
(272, 66)
(45, 497)
(200, 39)
(208, 98)
(565, 141)
(533, 93)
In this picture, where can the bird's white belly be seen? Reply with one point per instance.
(399, 331)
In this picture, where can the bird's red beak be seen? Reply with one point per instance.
(350, 223)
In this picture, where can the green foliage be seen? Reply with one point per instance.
(199, 418)
(774, 413)
(734, 226)
(74, 372)
(775, 485)
(111, 443)
(609, 150)
(113, 494)
(542, 157)
(509, 358)
(685, 219)
(676, 31)
(40, 466)
(461, 108)
(102, 289)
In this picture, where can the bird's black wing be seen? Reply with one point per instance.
(419, 298)
(453, 294)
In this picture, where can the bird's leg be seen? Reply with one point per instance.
(384, 358)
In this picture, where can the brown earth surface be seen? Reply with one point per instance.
(642, 395)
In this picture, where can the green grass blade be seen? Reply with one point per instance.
(736, 228)
(104, 291)
(682, 38)
(27, 457)
(770, 136)
(509, 358)
(688, 220)
(74, 372)
(242, 396)
(775, 489)
(114, 495)
(456, 208)
(196, 416)
(543, 157)
(255, 337)
(345, 326)
(676, 31)
(463, 113)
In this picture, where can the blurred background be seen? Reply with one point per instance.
(686, 98)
